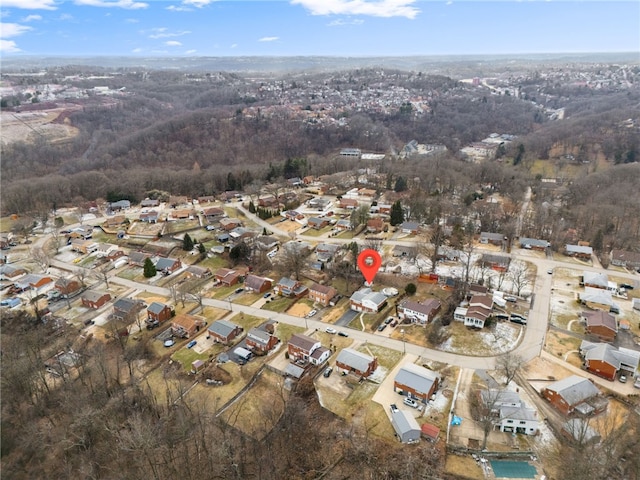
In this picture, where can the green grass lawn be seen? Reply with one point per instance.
(284, 332)
(223, 292)
(247, 298)
(312, 232)
(187, 355)
(386, 358)
(180, 226)
(247, 321)
(280, 304)
(214, 263)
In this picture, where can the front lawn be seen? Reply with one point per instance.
(279, 304)
(186, 356)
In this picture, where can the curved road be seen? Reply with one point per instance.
(530, 345)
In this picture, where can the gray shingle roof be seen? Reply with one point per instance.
(416, 377)
(222, 328)
(574, 389)
(156, 307)
(354, 359)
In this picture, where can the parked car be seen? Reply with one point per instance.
(382, 326)
(327, 372)
(239, 290)
(626, 286)
(192, 343)
(394, 408)
(151, 324)
(394, 323)
(410, 402)
(502, 316)
(550, 271)
(518, 319)
(636, 384)
(388, 320)
(343, 334)
(510, 298)
(266, 295)
(623, 379)
(331, 330)
(169, 343)
(311, 313)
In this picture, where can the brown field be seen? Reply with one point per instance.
(27, 126)
(299, 309)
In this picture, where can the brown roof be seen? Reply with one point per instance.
(323, 289)
(186, 321)
(600, 318)
(302, 341)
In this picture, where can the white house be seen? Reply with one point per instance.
(366, 300)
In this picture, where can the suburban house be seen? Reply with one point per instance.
(227, 277)
(416, 382)
(301, 347)
(366, 300)
(479, 309)
(181, 214)
(492, 238)
(206, 199)
(268, 201)
(575, 394)
(626, 259)
(348, 203)
(319, 356)
(213, 213)
(359, 364)
(534, 244)
(260, 340)
(223, 331)
(375, 225)
(185, 325)
(38, 283)
(138, 258)
(94, 299)
(404, 251)
(598, 299)
(83, 231)
(229, 224)
(598, 280)
(254, 283)
(119, 205)
(11, 272)
(410, 227)
(406, 426)
(420, 312)
(149, 203)
(607, 361)
(151, 216)
(343, 224)
(83, 246)
(317, 223)
(67, 286)
(288, 287)
(194, 271)
(322, 294)
(159, 312)
(320, 204)
(579, 251)
(510, 412)
(601, 324)
(127, 310)
(168, 265)
(499, 263)
(115, 221)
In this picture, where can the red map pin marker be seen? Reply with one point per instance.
(369, 262)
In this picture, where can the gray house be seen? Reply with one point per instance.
(406, 427)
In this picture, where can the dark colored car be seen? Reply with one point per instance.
(382, 327)
(327, 372)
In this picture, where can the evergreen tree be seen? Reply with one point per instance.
(411, 289)
(187, 243)
(252, 207)
(401, 184)
(397, 215)
(149, 269)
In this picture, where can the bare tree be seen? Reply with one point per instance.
(291, 261)
(81, 274)
(41, 257)
(508, 365)
(520, 276)
(484, 410)
(375, 243)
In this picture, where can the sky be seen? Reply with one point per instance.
(316, 27)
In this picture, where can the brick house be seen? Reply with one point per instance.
(480, 308)
(420, 312)
(159, 312)
(322, 294)
(198, 272)
(375, 225)
(573, 394)
(607, 361)
(67, 286)
(288, 287)
(366, 300)
(227, 276)
(491, 238)
(318, 223)
(168, 265)
(260, 340)
(224, 331)
(229, 224)
(301, 347)
(601, 324)
(95, 299)
(359, 364)
(254, 283)
(579, 251)
(626, 259)
(138, 258)
(348, 203)
(416, 382)
(127, 310)
(185, 325)
(499, 263)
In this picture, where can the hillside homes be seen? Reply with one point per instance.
(416, 382)
(366, 300)
(303, 349)
(600, 324)
(575, 394)
(419, 312)
(608, 361)
(350, 361)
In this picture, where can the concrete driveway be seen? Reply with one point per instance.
(385, 394)
(346, 318)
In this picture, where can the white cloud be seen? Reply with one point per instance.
(173, 43)
(340, 23)
(268, 39)
(30, 4)
(190, 52)
(132, 20)
(198, 3)
(179, 8)
(66, 17)
(8, 30)
(234, 45)
(376, 8)
(127, 4)
(32, 18)
(136, 50)
(163, 32)
(8, 46)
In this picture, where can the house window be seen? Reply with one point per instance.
(509, 421)
(522, 422)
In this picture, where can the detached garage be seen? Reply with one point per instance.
(406, 427)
